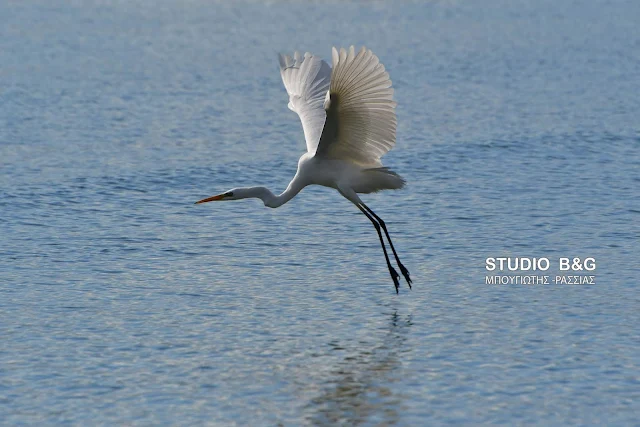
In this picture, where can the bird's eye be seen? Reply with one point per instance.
(229, 194)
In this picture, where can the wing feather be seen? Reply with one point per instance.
(361, 120)
(307, 81)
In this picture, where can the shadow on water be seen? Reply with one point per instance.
(359, 390)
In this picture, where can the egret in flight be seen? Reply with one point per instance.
(349, 122)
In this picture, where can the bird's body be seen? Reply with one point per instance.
(349, 121)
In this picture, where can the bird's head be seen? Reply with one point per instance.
(233, 194)
(240, 193)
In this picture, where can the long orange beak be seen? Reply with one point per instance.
(211, 199)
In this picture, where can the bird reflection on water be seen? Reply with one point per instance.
(360, 387)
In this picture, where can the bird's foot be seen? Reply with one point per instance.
(405, 273)
(395, 276)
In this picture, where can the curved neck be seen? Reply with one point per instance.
(271, 200)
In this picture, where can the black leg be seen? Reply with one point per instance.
(392, 271)
(404, 271)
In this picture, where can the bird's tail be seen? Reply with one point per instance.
(377, 179)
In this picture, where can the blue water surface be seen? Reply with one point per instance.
(122, 303)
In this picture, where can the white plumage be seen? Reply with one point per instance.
(346, 113)
(349, 122)
(307, 81)
(361, 117)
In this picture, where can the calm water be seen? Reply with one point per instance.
(123, 303)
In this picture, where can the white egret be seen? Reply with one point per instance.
(349, 122)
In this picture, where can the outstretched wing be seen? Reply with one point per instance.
(307, 81)
(361, 118)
